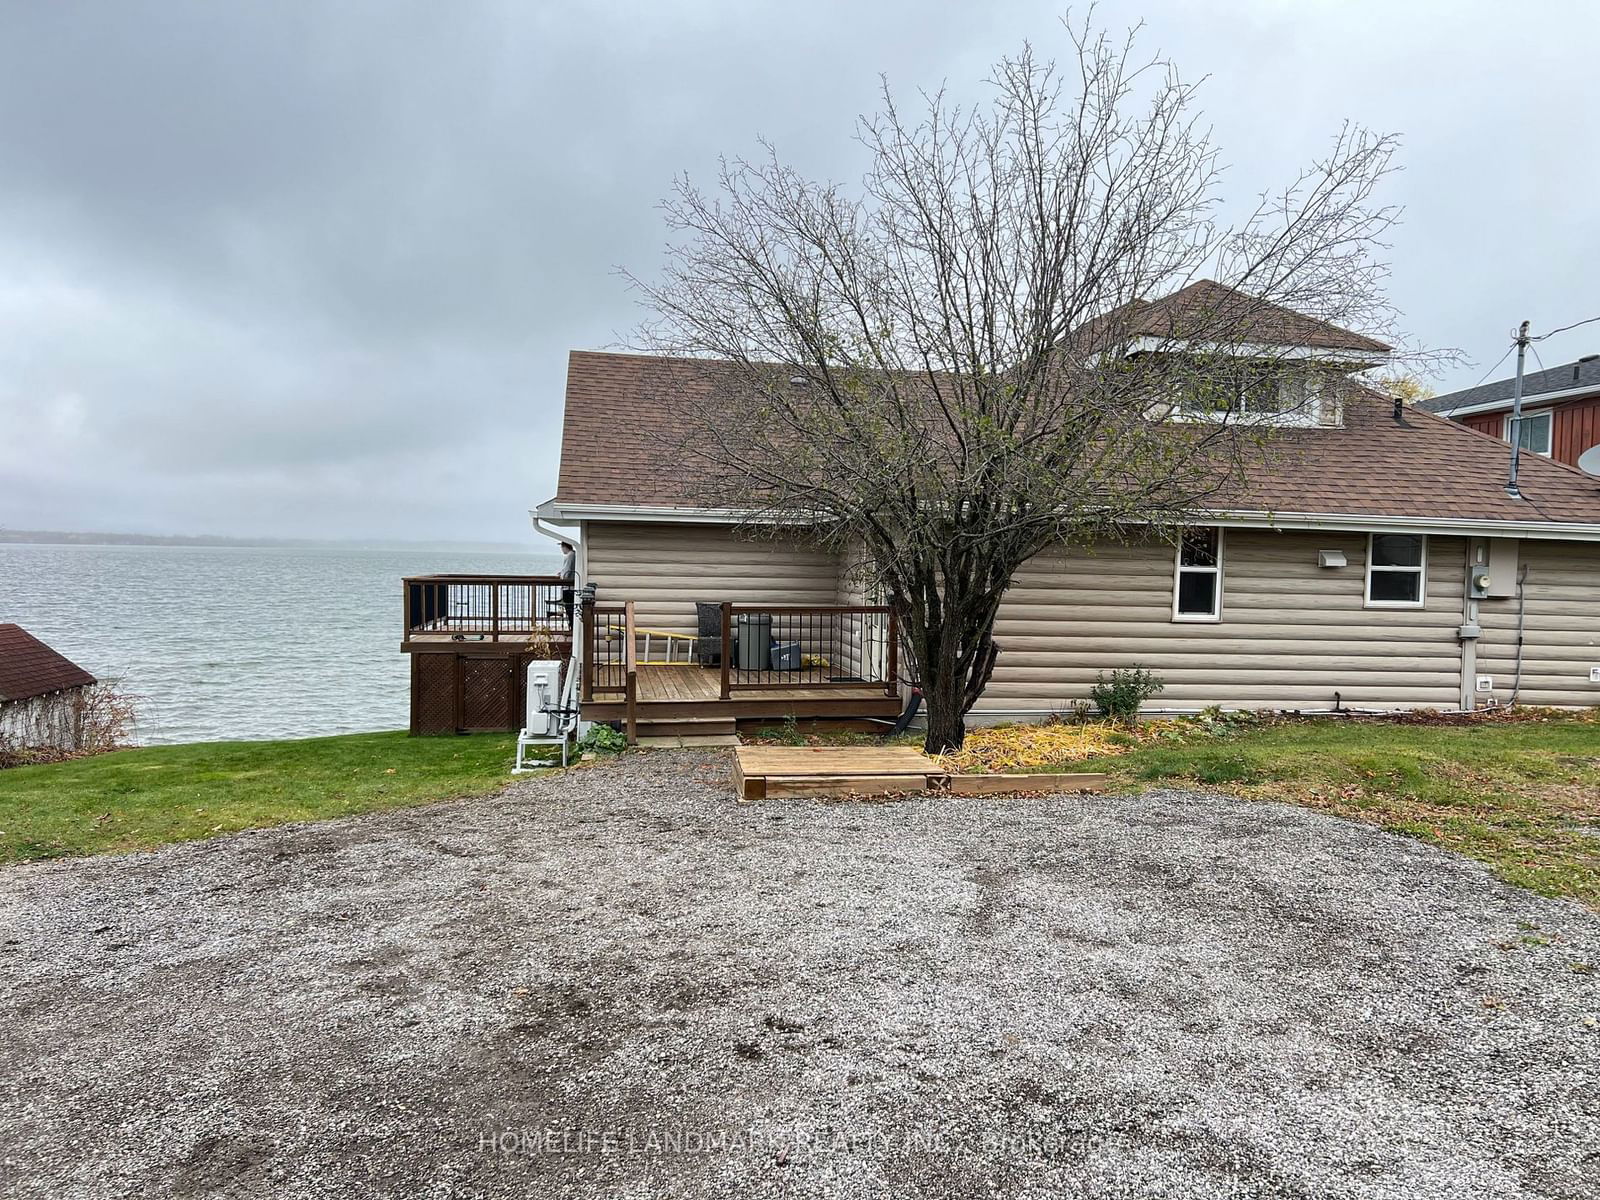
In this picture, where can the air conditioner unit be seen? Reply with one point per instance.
(543, 694)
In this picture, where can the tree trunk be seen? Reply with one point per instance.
(947, 714)
(956, 664)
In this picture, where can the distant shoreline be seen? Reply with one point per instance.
(55, 537)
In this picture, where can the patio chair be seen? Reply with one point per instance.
(708, 643)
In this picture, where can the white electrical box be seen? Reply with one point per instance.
(1486, 683)
(1503, 556)
(1594, 674)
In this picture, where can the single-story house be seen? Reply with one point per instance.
(40, 694)
(1378, 564)
(1560, 411)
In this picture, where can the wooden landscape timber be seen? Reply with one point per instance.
(771, 772)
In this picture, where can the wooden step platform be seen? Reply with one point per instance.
(765, 772)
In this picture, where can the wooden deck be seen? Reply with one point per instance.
(686, 693)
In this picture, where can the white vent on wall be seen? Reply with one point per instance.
(1486, 683)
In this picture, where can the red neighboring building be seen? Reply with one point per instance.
(1560, 411)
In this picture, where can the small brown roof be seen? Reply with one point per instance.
(29, 668)
(621, 418)
(1206, 305)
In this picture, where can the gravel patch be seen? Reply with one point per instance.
(618, 982)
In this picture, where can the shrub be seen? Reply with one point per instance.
(788, 734)
(602, 739)
(1129, 687)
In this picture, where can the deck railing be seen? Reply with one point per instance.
(487, 606)
(605, 636)
(770, 648)
(611, 658)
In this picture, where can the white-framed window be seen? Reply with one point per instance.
(1397, 570)
(1254, 393)
(1197, 576)
(1536, 431)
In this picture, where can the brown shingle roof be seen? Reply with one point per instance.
(621, 418)
(1418, 465)
(29, 668)
(1206, 306)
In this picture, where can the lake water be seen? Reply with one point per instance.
(225, 642)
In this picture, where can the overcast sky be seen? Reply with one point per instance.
(314, 269)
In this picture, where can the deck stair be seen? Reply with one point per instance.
(683, 732)
(764, 772)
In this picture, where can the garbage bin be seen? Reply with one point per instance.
(755, 640)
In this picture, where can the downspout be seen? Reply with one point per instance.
(581, 577)
(555, 535)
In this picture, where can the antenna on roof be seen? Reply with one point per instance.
(1516, 413)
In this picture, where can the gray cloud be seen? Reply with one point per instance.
(314, 269)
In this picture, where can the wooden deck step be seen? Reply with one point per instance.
(769, 771)
(686, 741)
(687, 726)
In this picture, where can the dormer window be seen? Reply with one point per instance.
(1264, 393)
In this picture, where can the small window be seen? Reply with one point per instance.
(1253, 393)
(1397, 570)
(1197, 588)
(1536, 429)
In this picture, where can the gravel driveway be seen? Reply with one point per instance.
(619, 983)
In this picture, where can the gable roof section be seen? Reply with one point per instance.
(29, 668)
(616, 454)
(1574, 377)
(1207, 304)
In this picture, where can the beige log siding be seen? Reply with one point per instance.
(1292, 632)
(664, 569)
(1562, 627)
(864, 637)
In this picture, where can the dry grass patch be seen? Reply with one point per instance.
(1006, 748)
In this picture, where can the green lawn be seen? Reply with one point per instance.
(1522, 796)
(134, 799)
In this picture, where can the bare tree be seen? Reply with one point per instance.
(954, 366)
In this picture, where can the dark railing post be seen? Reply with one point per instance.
(891, 685)
(494, 612)
(630, 674)
(587, 635)
(727, 648)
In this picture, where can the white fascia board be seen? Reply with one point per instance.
(1344, 357)
(1347, 523)
(1537, 400)
(1244, 519)
(552, 510)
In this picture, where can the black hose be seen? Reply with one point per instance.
(913, 706)
(1522, 616)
